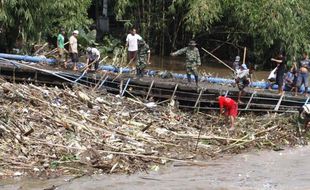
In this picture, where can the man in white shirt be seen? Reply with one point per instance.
(132, 44)
(73, 48)
(93, 56)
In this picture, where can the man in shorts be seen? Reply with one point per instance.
(73, 48)
(61, 47)
(231, 109)
(132, 44)
(303, 74)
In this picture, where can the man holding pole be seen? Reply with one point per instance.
(93, 56)
(192, 60)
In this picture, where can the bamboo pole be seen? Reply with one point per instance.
(218, 59)
(175, 89)
(149, 91)
(244, 55)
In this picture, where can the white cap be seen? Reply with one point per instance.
(75, 32)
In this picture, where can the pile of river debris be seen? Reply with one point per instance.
(50, 131)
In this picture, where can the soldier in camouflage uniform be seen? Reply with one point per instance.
(144, 55)
(192, 60)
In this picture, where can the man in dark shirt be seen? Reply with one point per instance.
(281, 62)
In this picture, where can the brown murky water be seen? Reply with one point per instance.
(265, 170)
(177, 64)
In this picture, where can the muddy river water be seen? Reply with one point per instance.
(177, 64)
(264, 170)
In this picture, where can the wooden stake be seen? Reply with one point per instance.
(248, 104)
(279, 103)
(125, 87)
(244, 55)
(149, 91)
(175, 89)
(198, 99)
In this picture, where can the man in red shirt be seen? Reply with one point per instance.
(231, 109)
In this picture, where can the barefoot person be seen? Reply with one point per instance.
(231, 109)
(73, 48)
(281, 63)
(192, 60)
(61, 47)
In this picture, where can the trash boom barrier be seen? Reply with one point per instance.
(111, 68)
(27, 58)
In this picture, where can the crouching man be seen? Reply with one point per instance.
(231, 109)
(93, 56)
(304, 115)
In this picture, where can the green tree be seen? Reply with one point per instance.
(263, 26)
(29, 20)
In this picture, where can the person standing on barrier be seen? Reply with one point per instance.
(73, 48)
(192, 60)
(61, 47)
(144, 56)
(241, 76)
(231, 109)
(303, 74)
(281, 63)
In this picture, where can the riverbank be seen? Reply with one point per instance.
(49, 132)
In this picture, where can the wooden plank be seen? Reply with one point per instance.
(149, 91)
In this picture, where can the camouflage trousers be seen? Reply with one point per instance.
(141, 64)
(191, 69)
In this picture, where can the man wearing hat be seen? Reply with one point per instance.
(192, 60)
(93, 56)
(144, 55)
(73, 48)
(241, 76)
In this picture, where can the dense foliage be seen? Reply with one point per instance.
(29, 20)
(263, 26)
(224, 26)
